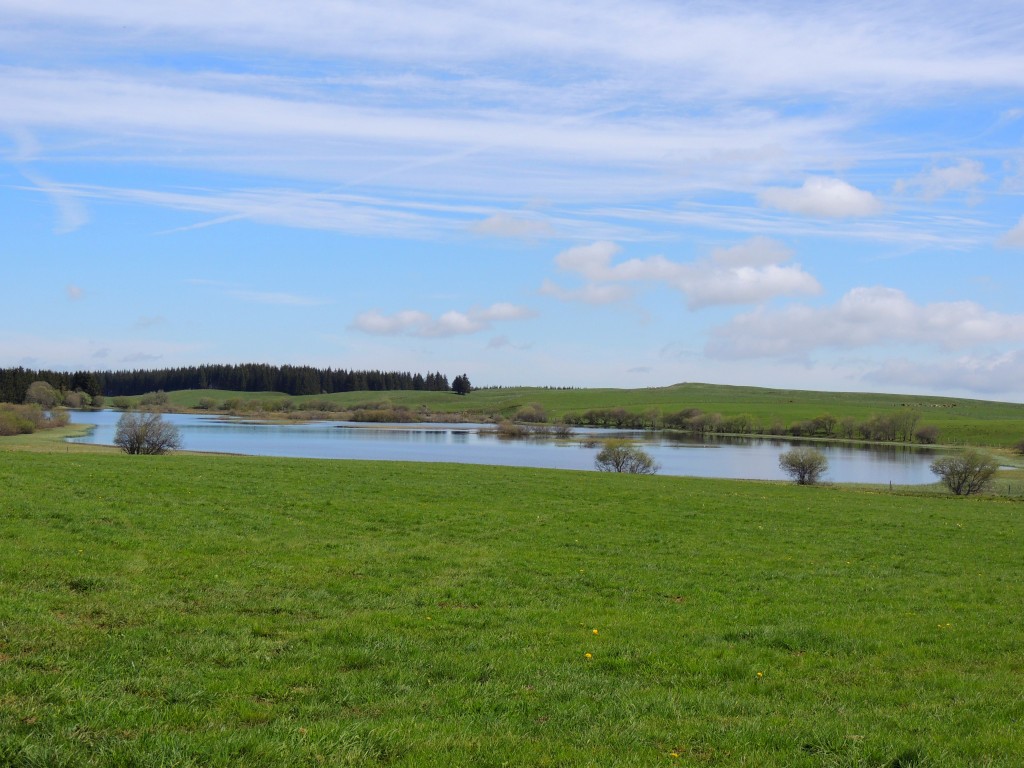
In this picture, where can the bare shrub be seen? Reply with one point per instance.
(146, 433)
(622, 456)
(967, 472)
(804, 465)
(509, 430)
(533, 413)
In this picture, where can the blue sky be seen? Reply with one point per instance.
(559, 193)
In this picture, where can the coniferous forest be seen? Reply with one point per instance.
(247, 377)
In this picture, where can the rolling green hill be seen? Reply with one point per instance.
(960, 420)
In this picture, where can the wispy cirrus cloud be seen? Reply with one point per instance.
(470, 120)
(71, 213)
(452, 323)
(515, 226)
(260, 297)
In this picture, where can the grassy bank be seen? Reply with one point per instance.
(218, 611)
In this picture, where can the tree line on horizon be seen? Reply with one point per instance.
(248, 377)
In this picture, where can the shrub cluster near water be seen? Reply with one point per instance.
(902, 426)
(26, 419)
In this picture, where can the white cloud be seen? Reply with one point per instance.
(1015, 237)
(270, 297)
(822, 197)
(504, 342)
(506, 225)
(746, 285)
(758, 251)
(746, 273)
(451, 323)
(141, 357)
(71, 214)
(76, 352)
(864, 317)
(259, 297)
(871, 48)
(591, 293)
(937, 182)
(990, 375)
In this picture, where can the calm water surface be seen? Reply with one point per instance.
(739, 458)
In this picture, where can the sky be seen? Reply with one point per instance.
(782, 194)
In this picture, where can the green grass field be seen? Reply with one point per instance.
(215, 611)
(960, 421)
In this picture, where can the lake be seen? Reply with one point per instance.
(725, 457)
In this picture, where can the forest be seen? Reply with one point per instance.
(247, 377)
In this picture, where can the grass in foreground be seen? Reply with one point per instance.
(219, 611)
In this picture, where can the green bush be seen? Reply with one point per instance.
(13, 424)
(154, 398)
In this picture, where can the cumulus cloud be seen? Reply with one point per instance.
(864, 317)
(453, 323)
(506, 225)
(755, 252)
(937, 182)
(822, 197)
(747, 273)
(990, 374)
(591, 293)
(1015, 237)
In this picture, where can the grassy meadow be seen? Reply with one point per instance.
(959, 420)
(215, 611)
